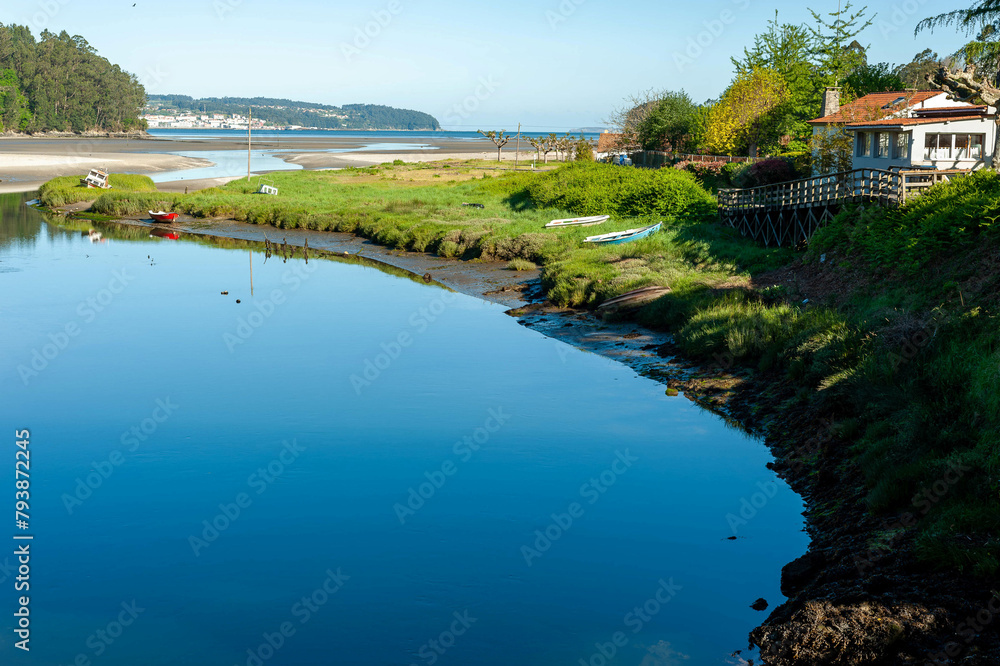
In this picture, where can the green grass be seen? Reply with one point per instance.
(68, 190)
(521, 265)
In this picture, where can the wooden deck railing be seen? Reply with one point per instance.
(820, 190)
(916, 182)
(789, 213)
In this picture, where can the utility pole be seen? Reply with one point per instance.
(249, 140)
(517, 152)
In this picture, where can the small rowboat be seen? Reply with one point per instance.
(634, 298)
(578, 221)
(626, 236)
(163, 217)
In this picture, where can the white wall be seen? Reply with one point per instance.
(917, 136)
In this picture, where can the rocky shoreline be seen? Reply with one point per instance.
(859, 595)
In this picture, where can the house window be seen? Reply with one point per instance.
(864, 144)
(969, 146)
(938, 146)
(962, 146)
(901, 146)
(976, 142)
(882, 145)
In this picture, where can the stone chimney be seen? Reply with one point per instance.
(831, 101)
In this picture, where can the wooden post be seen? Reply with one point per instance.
(517, 151)
(251, 272)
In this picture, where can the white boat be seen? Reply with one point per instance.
(578, 221)
(619, 237)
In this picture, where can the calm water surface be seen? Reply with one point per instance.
(210, 464)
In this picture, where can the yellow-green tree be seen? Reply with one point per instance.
(747, 116)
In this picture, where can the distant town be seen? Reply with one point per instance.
(165, 119)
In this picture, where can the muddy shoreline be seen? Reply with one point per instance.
(859, 595)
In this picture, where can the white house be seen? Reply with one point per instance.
(912, 130)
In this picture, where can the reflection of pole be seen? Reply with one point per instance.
(251, 272)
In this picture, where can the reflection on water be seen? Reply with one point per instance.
(395, 473)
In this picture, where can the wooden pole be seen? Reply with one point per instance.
(517, 152)
(249, 140)
(251, 272)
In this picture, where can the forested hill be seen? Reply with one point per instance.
(304, 114)
(59, 82)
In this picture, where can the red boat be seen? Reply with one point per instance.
(163, 217)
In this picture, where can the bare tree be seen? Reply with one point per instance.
(627, 118)
(537, 142)
(549, 143)
(566, 145)
(499, 139)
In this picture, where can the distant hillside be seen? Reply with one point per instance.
(303, 114)
(59, 82)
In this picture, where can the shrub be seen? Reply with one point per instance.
(946, 218)
(770, 171)
(736, 173)
(596, 189)
(709, 174)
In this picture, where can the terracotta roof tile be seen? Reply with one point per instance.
(952, 109)
(900, 122)
(872, 105)
(608, 141)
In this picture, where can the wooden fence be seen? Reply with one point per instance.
(656, 159)
(790, 213)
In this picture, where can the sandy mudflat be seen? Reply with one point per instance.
(22, 171)
(27, 162)
(366, 158)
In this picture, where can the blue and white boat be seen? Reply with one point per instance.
(627, 236)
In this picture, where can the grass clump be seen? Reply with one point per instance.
(521, 265)
(67, 190)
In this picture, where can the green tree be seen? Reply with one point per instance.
(869, 79)
(789, 50)
(59, 82)
(669, 124)
(14, 114)
(915, 73)
(749, 114)
(838, 52)
(584, 150)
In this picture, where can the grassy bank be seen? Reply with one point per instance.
(67, 190)
(887, 324)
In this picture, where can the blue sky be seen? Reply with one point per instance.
(550, 64)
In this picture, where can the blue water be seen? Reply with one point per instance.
(234, 162)
(400, 135)
(172, 402)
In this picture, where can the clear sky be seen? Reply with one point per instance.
(550, 64)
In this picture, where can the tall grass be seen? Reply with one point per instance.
(68, 190)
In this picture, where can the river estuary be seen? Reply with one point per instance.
(353, 467)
